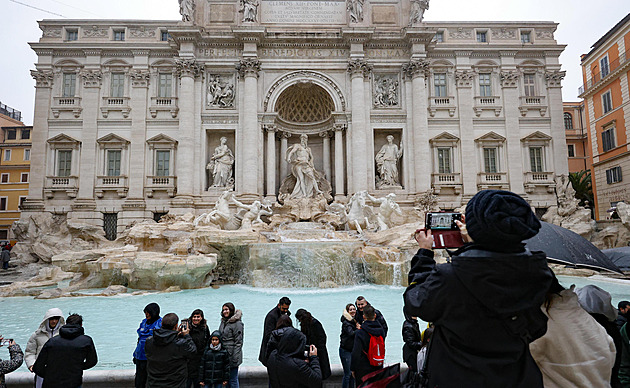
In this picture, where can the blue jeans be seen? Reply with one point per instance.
(346, 358)
(233, 382)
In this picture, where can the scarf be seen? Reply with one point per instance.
(215, 348)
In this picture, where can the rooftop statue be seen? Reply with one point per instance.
(417, 11)
(187, 10)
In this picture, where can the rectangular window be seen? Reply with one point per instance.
(165, 85)
(27, 154)
(613, 175)
(608, 139)
(164, 36)
(118, 84)
(529, 83)
(3, 203)
(4, 234)
(439, 84)
(26, 134)
(22, 199)
(110, 225)
(482, 37)
(113, 162)
(490, 160)
(24, 177)
(485, 87)
(69, 84)
(119, 35)
(444, 161)
(64, 162)
(7, 155)
(11, 134)
(525, 37)
(72, 34)
(605, 68)
(571, 149)
(439, 36)
(162, 165)
(4, 178)
(607, 102)
(536, 159)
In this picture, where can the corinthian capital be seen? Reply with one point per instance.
(358, 67)
(554, 78)
(188, 68)
(91, 78)
(416, 68)
(139, 78)
(248, 67)
(43, 79)
(509, 79)
(464, 78)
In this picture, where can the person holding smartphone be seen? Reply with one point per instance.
(485, 303)
(15, 359)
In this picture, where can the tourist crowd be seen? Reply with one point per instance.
(498, 318)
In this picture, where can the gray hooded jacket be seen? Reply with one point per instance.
(42, 335)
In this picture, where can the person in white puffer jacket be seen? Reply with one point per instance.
(52, 322)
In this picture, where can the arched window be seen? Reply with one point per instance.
(568, 121)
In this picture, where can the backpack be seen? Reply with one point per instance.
(376, 350)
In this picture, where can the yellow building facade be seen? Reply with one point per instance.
(15, 161)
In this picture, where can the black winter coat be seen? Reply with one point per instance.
(167, 358)
(63, 358)
(613, 332)
(274, 339)
(413, 342)
(287, 367)
(379, 318)
(360, 364)
(348, 328)
(486, 310)
(315, 335)
(215, 367)
(200, 336)
(270, 325)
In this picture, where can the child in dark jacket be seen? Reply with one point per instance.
(214, 370)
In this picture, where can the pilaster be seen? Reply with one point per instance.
(556, 114)
(514, 152)
(464, 81)
(91, 80)
(359, 69)
(248, 69)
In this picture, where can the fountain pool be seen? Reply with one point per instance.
(112, 321)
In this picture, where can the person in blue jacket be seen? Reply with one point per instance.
(151, 322)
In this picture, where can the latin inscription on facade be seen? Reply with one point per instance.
(303, 12)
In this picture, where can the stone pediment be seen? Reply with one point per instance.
(490, 136)
(112, 140)
(162, 140)
(444, 138)
(63, 140)
(536, 136)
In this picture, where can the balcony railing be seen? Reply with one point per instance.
(168, 104)
(532, 100)
(486, 180)
(111, 183)
(441, 103)
(66, 104)
(532, 103)
(487, 103)
(539, 179)
(161, 183)
(452, 180)
(623, 59)
(69, 184)
(120, 104)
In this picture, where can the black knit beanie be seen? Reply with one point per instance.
(499, 220)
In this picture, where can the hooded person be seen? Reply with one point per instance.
(315, 335)
(151, 322)
(290, 366)
(232, 330)
(214, 369)
(360, 363)
(412, 338)
(485, 304)
(52, 322)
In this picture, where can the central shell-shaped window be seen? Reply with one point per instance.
(305, 103)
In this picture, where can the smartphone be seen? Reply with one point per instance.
(6, 341)
(445, 231)
(184, 325)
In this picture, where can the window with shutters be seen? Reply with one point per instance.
(490, 157)
(113, 162)
(162, 162)
(536, 159)
(64, 162)
(117, 85)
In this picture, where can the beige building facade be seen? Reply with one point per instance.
(130, 114)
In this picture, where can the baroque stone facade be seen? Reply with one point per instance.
(128, 114)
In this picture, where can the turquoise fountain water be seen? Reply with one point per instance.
(112, 321)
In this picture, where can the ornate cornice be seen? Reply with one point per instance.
(464, 78)
(416, 68)
(554, 78)
(248, 67)
(359, 67)
(91, 78)
(509, 79)
(43, 79)
(188, 68)
(140, 78)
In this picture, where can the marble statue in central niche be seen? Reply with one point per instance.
(301, 159)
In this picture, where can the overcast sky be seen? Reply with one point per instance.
(581, 24)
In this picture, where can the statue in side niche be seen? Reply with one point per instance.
(220, 165)
(387, 164)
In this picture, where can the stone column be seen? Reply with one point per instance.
(339, 175)
(464, 80)
(326, 151)
(409, 172)
(248, 68)
(187, 70)
(43, 99)
(284, 165)
(556, 113)
(90, 101)
(138, 102)
(359, 70)
(417, 70)
(514, 150)
(271, 160)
